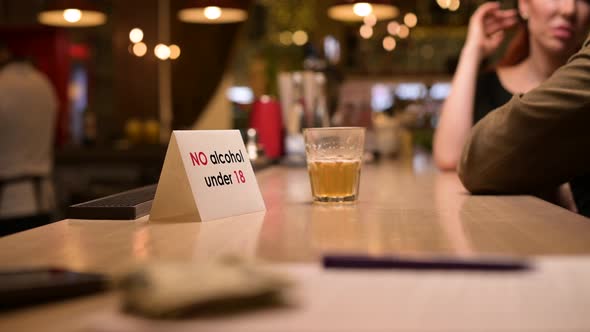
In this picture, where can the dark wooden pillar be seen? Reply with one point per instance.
(205, 55)
(135, 79)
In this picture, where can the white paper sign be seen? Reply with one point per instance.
(206, 175)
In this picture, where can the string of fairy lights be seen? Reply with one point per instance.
(161, 51)
(394, 28)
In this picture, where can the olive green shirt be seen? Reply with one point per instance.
(536, 141)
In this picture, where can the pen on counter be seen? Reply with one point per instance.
(435, 263)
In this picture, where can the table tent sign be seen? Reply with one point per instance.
(206, 175)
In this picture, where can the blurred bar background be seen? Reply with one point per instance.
(276, 66)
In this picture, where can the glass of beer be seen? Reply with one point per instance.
(334, 157)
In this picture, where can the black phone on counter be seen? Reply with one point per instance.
(24, 287)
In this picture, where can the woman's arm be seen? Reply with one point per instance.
(486, 32)
(456, 116)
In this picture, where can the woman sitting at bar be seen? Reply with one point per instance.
(537, 140)
(551, 31)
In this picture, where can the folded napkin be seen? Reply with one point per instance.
(208, 288)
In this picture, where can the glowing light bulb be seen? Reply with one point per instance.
(136, 35)
(366, 31)
(139, 49)
(300, 37)
(370, 20)
(393, 28)
(72, 15)
(389, 43)
(362, 9)
(162, 51)
(286, 38)
(212, 12)
(174, 52)
(404, 32)
(455, 4)
(411, 20)
(444, 4)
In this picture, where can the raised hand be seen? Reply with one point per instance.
(486, 28)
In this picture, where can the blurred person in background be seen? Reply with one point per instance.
(549, 32)
(537, 140)
(28, 106)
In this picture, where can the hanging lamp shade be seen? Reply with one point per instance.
(71, 13)
(356, 10)
(213, 11)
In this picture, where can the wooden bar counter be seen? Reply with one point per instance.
(405, 207)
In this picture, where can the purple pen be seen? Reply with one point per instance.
(434, 263)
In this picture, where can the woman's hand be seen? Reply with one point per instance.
(486, 28)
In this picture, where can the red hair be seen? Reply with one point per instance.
(518, 49)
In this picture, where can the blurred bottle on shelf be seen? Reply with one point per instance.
(267, 120)
(133, 131)
(151, 131)
(304, 102)
(142, 132)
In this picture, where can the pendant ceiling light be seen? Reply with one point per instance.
(356, 10)
(213, 11)
(71, 13)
